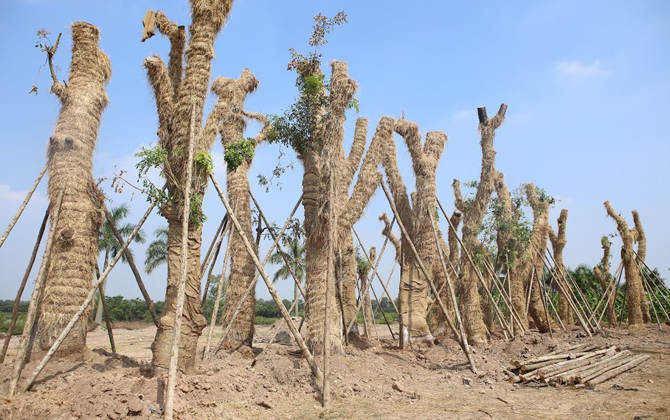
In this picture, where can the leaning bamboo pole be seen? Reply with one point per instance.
(463, 340)
(85, 304)
(543, 296)
(35, 299)
(103, 303)
(465, 251)
(452, 293)
(217, 301)
(205, 290)
(133, 268)
(4, 236)
(19, 293)
(213, 244)
(252, 285)
(181, 293)
(273, 292)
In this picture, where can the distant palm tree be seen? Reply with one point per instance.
(110, 245)
(296, 259)
(157, 251)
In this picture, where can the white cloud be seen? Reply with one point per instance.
(7, 195)
(578, 70)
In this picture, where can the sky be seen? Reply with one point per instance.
(587, 85)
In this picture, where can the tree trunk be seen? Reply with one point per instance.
(193, 322)
(242, 269)
(558, 242)
(634, 288)
(70, 153)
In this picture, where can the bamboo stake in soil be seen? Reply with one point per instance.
(108, 322)
(217, 301)
(273, 292)
(4, 236)
(375, 272)
(463, 340)
(85, 304)
(251, 286)
(17, 300)
(452, 294)
(35, 299)
(479, 275)
(133, 268)
(211, 266)
(179, 310)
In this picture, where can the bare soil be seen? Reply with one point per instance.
(374, 379)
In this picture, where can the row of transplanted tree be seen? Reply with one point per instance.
(496, 237)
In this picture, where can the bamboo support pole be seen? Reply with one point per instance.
(133, 267)
(374, 271)
(251, 286)
(4, 236)
(506, 296)
(276, 239)
(211, 266)
(612, 295)
(578, 296)
(476, 269)
(87, 302)
(530, 290)
(213, 244)
(651, 296)
(580, 318)
(35, 299)
(605, 297)
(543, 296)
(650, 272)
(24, 281)
(462, 336)
(340, 297)
(382, 309)
(368, 282)
(469, 257)
(168, 412)
(463, 339)
(618, 370)
(217, 301)
(298, 338)
(108, 321)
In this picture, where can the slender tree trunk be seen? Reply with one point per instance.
(70, 153)
(98, 311)
(558, 242)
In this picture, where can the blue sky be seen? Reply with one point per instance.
(587, 84)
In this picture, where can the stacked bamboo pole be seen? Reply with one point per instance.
(581, 365)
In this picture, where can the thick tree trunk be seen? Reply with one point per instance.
(70, 153)
(634, 288)
(605, 279)
(242, 269)
(193, 322)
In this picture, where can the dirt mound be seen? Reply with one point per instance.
(373, 379)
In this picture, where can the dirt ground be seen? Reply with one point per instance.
(374, 379)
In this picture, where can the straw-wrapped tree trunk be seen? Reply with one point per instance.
(352, 206)
(510, 249)
(438, 323)
(532, 266)
(473, 217)
(180, 94)
(634, 288)
(70, 154)
(232, 95)
(604, 277)
(558, 242)
(641, 240)
(413, 297)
